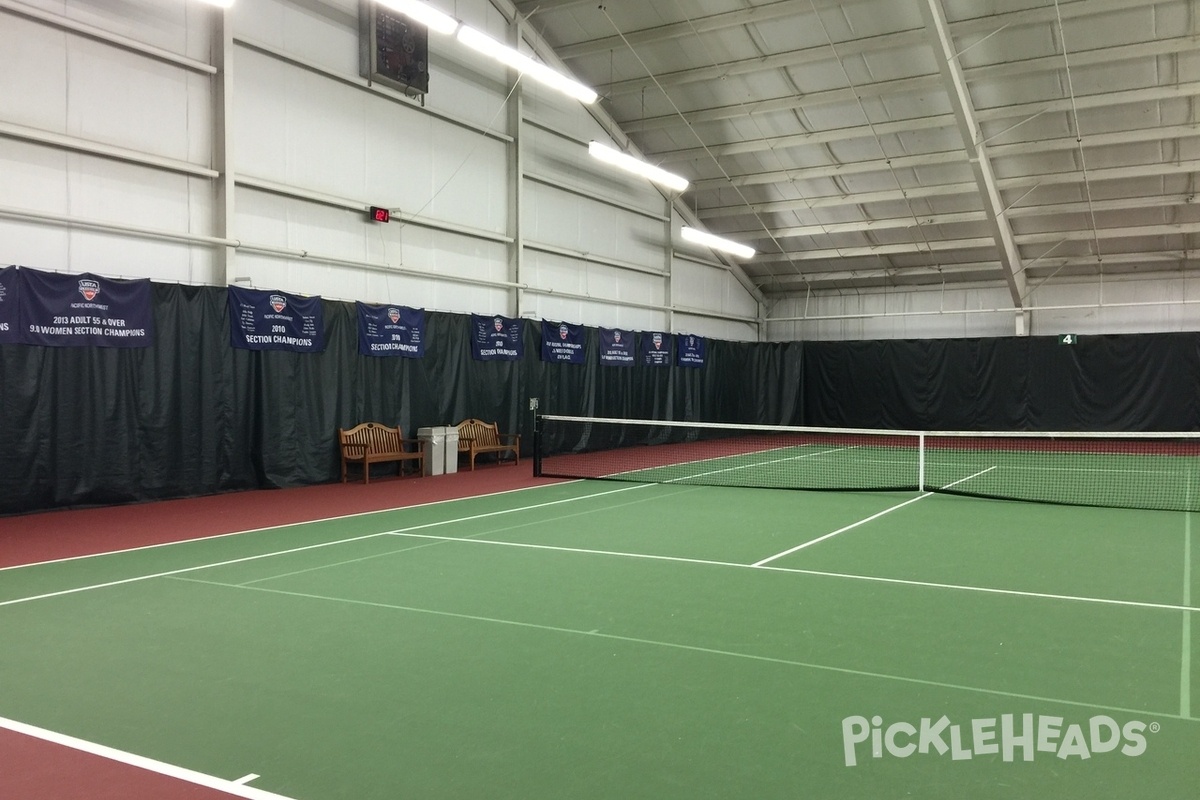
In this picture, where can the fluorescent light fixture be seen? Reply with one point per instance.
(717, 243)
(525, 65)
(637, 166)
(220, 3)
(423, 13)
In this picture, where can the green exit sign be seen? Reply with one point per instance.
(1068, 338)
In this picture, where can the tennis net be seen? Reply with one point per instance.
(1134, 470)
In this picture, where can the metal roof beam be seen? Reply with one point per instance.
(949, 157)
(835, 170)
(678, 30)
(895, 41)
(1052, 237)
(803, 139)
(792, 8)
(794, 103)
(902, 223)
(746, 147)
(951, 189)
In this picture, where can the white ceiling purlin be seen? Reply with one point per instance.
(1049, 210)
(817, 275)
(785, 60)
(964, 113)
(679, 30)
(788, 102)
(907, 125)
(1155, 169)
(528, 7)
(791, 103)
(894, 41)
(1049, 237)
(996, 151)
(791, 8)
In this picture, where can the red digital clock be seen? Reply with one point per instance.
(378, 214)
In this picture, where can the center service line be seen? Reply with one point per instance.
(854, 525)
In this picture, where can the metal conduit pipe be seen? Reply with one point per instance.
(250, 247)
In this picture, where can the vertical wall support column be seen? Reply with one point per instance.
(669, 264)
(223, 206)
(516, 180)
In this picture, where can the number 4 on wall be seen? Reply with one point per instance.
(1068, 338)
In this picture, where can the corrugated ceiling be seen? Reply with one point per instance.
(876, 143)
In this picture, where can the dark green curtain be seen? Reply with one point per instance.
(191, 415)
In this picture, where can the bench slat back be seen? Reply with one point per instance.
(375, 437)
(477, 432)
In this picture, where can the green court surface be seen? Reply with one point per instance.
(624, 640)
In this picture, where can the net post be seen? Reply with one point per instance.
(537, 444)
(921, 462)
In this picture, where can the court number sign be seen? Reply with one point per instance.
(1068, 338)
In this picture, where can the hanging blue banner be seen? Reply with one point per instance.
(85, 310)
(656, 349)
(562, 343)
(272, 320)
(689, 350)
(616, 347)
(391, 331)
(496, 338)
(9, 324)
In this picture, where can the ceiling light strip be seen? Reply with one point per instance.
(698, 138)
(616, 158)
(525, 65)
(423, 13)
(438, 22)
(697, 236)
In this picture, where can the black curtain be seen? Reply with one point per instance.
(192, 415)
(1136, 382)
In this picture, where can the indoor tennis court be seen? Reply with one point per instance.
(636, 640)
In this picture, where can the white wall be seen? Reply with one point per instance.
(107, 165)
(1163, 304)
(107, 152)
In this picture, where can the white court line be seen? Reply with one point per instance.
(698, 649)
(797, 571)
(364, 537)
(277, 527)
(854, 525)
(234, 788)
(253, 776)
(432, 543)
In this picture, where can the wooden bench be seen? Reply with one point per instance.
(371, 443)
(476, 436)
